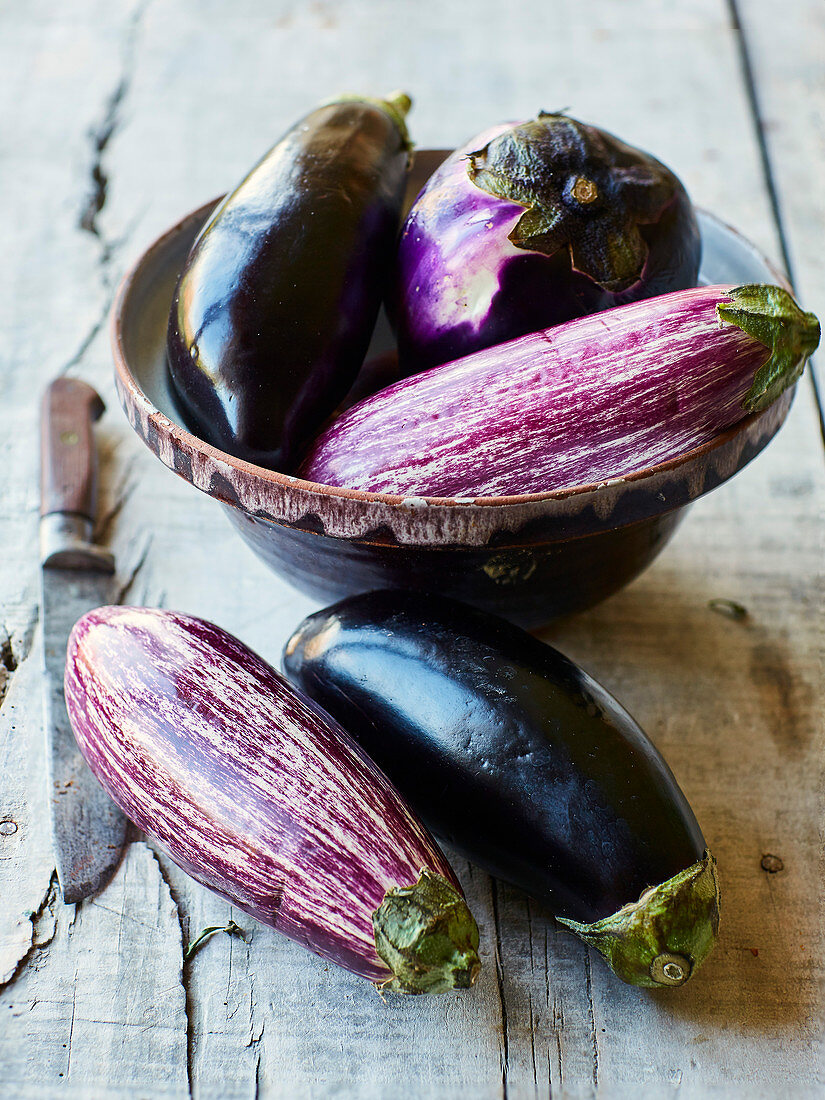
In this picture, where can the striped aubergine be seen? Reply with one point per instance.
(583, 403)
(258, 794)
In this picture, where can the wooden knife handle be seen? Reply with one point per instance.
(68, 469)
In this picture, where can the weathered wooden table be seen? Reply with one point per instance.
(117, 119)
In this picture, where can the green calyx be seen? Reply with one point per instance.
(770, 315)
(664, 937)
(582, 188)
(397, 105)
(427, 937)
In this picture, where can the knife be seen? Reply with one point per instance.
(88, 830)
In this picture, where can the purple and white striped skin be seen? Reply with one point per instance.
(461, 284)
(242, 780)
(583, 403)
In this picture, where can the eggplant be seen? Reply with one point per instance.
(256, 793)
(530, 225)
(277, 300)
(589, 401)
(525, 764)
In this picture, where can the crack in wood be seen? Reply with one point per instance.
(15, 647)
(103, 133)
(76, 919)
(90, 336)
(8, 662)
(7, 658)
(505, 1058)
(560, 1063)
(258, 1074)
(255, 1040)
(120, 922)
(530, 995)
(37, 944)
(121, 916)
(768, 175)
(591, 1012)
(533, 1041)
(547, 973)
(188, 1005)
(71, 1026)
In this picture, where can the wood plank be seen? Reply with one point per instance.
(88, 1014)
(26, 860)
(783, 58)
(91, 1000)
(735, 707)
(120, 92)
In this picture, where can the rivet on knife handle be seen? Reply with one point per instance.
(68, 477)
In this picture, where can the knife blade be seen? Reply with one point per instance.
(88, 830)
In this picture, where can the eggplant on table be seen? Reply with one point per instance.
(278, 298)
(532, 224)
(259, 795)
(524, 763)
(591, 400)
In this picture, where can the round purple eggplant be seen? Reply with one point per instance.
(278, 298)
(262, 797)
(532, 224)
(522, 761)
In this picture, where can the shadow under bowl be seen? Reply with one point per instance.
(528, 558)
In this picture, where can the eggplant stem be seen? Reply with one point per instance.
(558, 169)
(399, 101)
(770, 315)
(662, 939)
(427, 937)
(397, 105)
(585, 191)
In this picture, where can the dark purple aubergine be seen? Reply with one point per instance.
(530, 225)
(262, 797)
(277, 301)
(525, 764)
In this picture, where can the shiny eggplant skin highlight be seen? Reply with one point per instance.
(276, 304)
(256, 793)
(531, 224)
(520, 760)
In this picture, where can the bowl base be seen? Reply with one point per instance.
(527, 584)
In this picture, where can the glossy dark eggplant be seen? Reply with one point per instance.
(524, 763)
(278, 298)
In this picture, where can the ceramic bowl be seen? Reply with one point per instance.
(530, 558)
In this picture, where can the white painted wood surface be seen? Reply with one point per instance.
(118, 118)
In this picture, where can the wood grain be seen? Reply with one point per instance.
(118, 118)
(782, 65)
